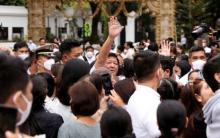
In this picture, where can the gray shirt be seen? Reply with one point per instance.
(75, 129)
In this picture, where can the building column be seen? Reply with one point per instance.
(130, 28)
(10, 33)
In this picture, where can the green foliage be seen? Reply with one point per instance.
(13, 2)
(190, 13)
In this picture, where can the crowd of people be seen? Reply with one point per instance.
(73, 90)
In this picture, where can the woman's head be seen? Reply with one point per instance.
(84, 98)
(171, 118)
(181, 68)
(168, 89)
(39, 91)
(194, 76)
(73, 70)
(50, 83)
(202, 92)
(116, 123)
(125, 88)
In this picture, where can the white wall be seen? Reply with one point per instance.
(14, 16)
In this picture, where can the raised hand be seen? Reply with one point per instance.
(165, 48)
(114, 27)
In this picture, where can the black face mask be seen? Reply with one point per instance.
(120, 70)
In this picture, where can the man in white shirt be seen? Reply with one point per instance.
(197, 59)
(142, 105)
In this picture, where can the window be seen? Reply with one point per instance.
(4, 33)
(17, 33)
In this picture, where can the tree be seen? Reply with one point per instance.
(13, 2)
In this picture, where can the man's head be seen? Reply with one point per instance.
(15, 86)
(197, 57)
(147, 66)
(211, 72)
(89, 52)
(112, 63)
(21, 50)
(70, 49)
(42, 42)
(167, 65)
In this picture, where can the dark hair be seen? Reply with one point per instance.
(56, 69)
(184, 67)
(130, 44)
(210, 68)
(125, 88)
(13, 76)
(67, 45)
(89, 47)
(167, 63)
(145, 64)
(193, 71)
(39, 91)
(50, 83)
(116, 123)
(195, 49)
(73, 70)
(153, 47)
(20, 45)
(189, 100)
(128, 69)
(114, 56)
(96, 80)
(171, 118)
(84, 98)
(42, 38)
(169, 89)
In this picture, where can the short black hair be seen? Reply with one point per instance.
(171, 114)
(89, 47)
(125, 88)
(20, 45)
(210, 68)
(114, 56)
(116, 123)
(195, 49)
(167, 63)
(145, 64)
(84, 98)
(13, 76)
(130, 44)
(67, 45)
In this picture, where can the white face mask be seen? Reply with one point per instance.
(198, 64)
(89, 54)
(48, 64)
(80, 57)
(23, 56)
(24, 114)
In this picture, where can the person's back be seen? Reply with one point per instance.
(211, 109)
(142, 105)
(76, 129)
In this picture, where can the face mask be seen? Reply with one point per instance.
(80, 57)
(89, 54)
(24, 114)
(23, 56)
(198, 64)
(48, 64)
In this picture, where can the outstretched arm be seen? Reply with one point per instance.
(114, 29)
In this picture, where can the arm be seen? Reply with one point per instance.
(114, 28)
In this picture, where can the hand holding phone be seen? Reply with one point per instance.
(107, 83)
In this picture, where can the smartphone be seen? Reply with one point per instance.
(7, 119)
(107, 83)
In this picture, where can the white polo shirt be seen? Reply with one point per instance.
(142, 107)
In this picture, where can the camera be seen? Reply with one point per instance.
(107, 83)
(200, 30)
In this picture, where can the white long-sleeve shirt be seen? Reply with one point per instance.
(142, 107)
